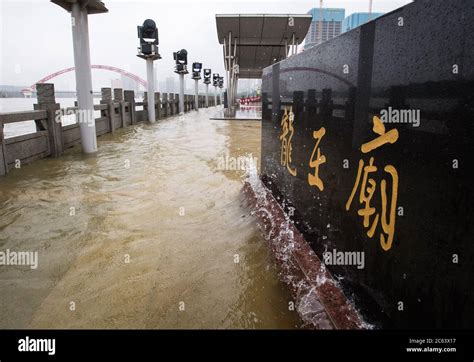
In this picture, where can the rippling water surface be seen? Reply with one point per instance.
(144, 235)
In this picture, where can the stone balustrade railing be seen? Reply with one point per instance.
(51, 138)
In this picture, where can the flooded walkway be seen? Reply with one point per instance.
(145, 235)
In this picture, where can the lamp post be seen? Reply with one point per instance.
(207, 81)
(181, 59)
(220, 85)
(79, 10)
(148, 50)
(215, 83)
(235, 83)
(196, 76)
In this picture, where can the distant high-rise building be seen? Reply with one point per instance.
(128, 83)
(357, 19)
(116, 83)
(331, 21)
(162, 87)
(171, 85)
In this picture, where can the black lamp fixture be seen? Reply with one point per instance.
(215, 79)
(197, 67)
(207, 76)
(181, 59)
(148, 35)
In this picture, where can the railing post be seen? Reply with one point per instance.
(170, 104)
(129, 97)
(157, 106)
(47, 102)
(107, 99)
(311, 107)
(175, 103)
(350, 104)
(145, 103)
(118, 97)
(165, 105)
(326, 104)
(298, 105)
(3, 155)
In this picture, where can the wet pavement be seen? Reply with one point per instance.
(150, 233)
(242, 113)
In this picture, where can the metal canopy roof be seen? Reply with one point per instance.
(93, 6)
(253, 58)
(261, 39)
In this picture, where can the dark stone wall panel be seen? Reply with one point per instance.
(418, 58)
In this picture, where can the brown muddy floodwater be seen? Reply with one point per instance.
(144, 235)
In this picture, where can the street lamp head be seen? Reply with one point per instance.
(207, 76)
(197, 67)
(181, 59)
(215, 79)
(148, 32)
(148, 35)
(181, 56)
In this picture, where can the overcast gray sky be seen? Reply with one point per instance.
(36, 37)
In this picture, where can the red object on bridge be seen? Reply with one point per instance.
(249, 100)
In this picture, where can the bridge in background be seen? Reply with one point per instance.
(120, 71)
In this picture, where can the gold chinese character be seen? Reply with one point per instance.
(389, 137)
(368, 191)
(285, 138)
(314, 180)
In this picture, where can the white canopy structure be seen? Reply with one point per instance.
(252, 42)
